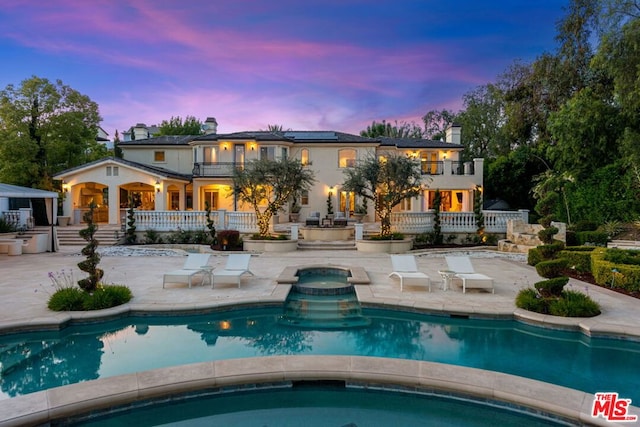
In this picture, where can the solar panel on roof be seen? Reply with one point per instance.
(312, 135)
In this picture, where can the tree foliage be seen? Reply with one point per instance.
(268, 185)
(386, 182)
(177, 126)
(396, 130)
(45, 128)
(436, 123)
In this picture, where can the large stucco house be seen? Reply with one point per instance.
(170, 174)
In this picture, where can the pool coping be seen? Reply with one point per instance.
(482, 386)
(358, 275)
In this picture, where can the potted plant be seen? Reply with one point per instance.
(360, 211)
(294, 211)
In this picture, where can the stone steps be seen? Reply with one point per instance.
(339, 245)
(106, 235)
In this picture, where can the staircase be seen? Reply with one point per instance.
(106, 235)
(318, 245)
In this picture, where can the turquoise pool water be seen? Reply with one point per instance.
(318, 407)
(36, 361)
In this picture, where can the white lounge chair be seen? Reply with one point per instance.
(192, 265)
(405, 268)
(461, 265)
(237, 265)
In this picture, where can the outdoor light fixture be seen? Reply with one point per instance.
(157, 186)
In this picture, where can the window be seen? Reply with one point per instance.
(210, 154)
(304, 157)
(116, 171)
(285, 152)
(405, 205)
(267, 153)
(346, 158)
(304, 197)
(108, 170)
(158, 156)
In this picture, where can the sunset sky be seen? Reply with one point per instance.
(303, 64)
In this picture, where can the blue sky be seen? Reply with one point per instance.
(314, 64)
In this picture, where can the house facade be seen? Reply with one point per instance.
(182, 173)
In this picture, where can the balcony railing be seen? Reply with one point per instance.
(245, 222)
(440, 168)
(225, 169)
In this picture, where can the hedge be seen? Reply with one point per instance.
(578, 258)
(608, 274)
(594, 238)
(552, 268)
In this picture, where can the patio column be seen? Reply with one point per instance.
(114, 204)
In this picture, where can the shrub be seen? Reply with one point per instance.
(607, 273)
(549, 251)
(552, 287)
(392, 236)
(578, 258)
(74, 299)
(108, 296)
(528, 299)
(619, 256)
(6, 227)
(546, 234)
(552, 268)
(67, 299)
(534, 256)
(585, 225)
(593, 238)
(151, 236)
(574, 304)
(572, 239)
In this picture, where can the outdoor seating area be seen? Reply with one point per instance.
(195, 264)
(405, 269)
(464, 271)
(237, 266)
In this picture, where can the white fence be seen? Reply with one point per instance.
(245, 222)
(401, 222)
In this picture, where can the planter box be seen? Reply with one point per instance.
(384, 246)
(326, 234)
(63, 221)
(270, 245)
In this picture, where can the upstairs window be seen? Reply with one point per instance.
(158, 156)
(346, 158)
(267, 153)
(304, 156)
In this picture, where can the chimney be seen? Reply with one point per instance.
(453, 133)
(210, 126)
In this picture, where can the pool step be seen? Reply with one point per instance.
(323, 312)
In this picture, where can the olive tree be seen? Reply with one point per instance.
(268, 185)
(386, 182)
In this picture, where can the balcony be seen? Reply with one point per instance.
(447, 168)
(215, 169)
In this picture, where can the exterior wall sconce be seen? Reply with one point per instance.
(65, 187)
(157, 186)
(444, 156)
(253, 147)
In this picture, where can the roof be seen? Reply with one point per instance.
(167, 173)
(15, 191)
(315, 136)
(418, 143)
(161, 140)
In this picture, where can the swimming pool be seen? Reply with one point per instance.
(37, 361)
(318, 405)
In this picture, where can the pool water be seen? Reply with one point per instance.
(37, 361)
(317, 407)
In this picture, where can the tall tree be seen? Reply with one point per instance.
(386, 182)
(268, 185)
(436, 123)
(177, 126)
(397, 130)
(45, 128)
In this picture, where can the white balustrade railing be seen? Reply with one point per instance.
(11, 217)
(453, 222)
(401, 222)
(245, 222)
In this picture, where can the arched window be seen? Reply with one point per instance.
(304, 156)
